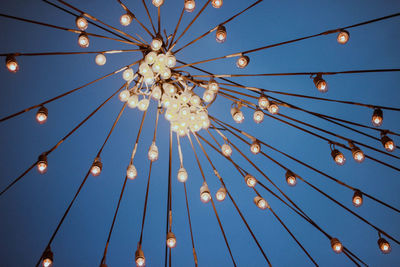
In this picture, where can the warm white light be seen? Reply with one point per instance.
(377, 117)
(149, 80)
(384, 246)
(140, 260)
(217, 3)
(205, 193)
(258, 116)
(143, 104)
(208, 96)
(338, 157)
(96, 168)
(47, 262)
(255, 147)
(321, 84)
(171, 61)
(250, 180)
(263, 102)
(190, 5)
(42, 164)
(261, 203)
(291, 178)
(156, 92)
(171, 240)
(131, 172)
(166, 74)
(221, 194)
(124, 95)
(220, 34)
(237, 115)
(100, 59)
(81, 23)
(83, 40)
(213, 86)
(41, 115)
(156, 44)
(151, 58)
(358, 155)
(343, 37)
(182, 175)
(226, 150)
(273, 108)
(242, 61)
(357, 198)
(128, 75)
(126, 19)
(336, 245)
(153, 152)
(12, 64)
(158, 3)
(133, 101)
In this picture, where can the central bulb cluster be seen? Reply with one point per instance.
(155, 65)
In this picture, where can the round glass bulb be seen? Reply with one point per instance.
(190, 5)
(126, 19)
(143, 104)
(208, 96)
(133, 101)
(221, 194)
(182, 175)
(100, 59)
(273, 108)
(156, 44)
(83, 40)
(131, 172)
(250, 180)
(124, 95)
(171, 61)
(226, 150)
(158, 3)
(128, 75)
(258, 116)
(153, 153)
(217, 3)
(81, 23)
(343, 37)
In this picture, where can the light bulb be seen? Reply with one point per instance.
(140, 260)
(336, 245)
(47, 258)
(377, 117)
(263, 102)
(169, 89)
(149, 80)
(213, 86)
(343, 37)
(358, 155)
(205, 196)
(166, 74)
(166, 101)
(171, 61)
(133, 101)
(258, 116)
(182, 175)
(150, 58)
(143, 104)
(81, 23)
(384, 246)
(41, 115)
(171, 240)
(156, 92)
(158, 3)
(273, 108)
(144, 69)
(206, 123)
(220, 35)
(156, 44)
(100, 59)
(153, 152)
(320, 84)
(208, 96)
(47, 263)
(124, 95)
(338, 157)
(216, 3)
(12, 64)
(184, 98)
(190, 5)
(290, 178)
(128, 75)
(255, 147)
(388, 143)
(131, 172)
(242, 62)
(221, 194)
(226, 150)
(195, 100)
(251, 181)
(237, 115)
(42, 164)
(83, 40)
(261, 203)
(126, 19)
(96, 168)
(357, 198)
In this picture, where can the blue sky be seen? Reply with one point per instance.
(31, 210)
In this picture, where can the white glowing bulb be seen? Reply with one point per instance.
(263, 102)
(149, 79)
(226, 150)
(133, 101)
(156, 44)
(153, 152)
(258, 116)
(126, 19)
(143, 104)
(217, 3)
(151, 58)
(169, 88)
(182, 175)
(221, 194)
(81, 23)
(131, 172)
(213, 86)
(250, 180)
(158, 3)
(156, 93)
(100, 59)
(157, 66)
(124, 95)
(171, 61)
(195, 100)
(144, 69)
(208, 96)
(190, 5)
(166, 74)
(128, 75)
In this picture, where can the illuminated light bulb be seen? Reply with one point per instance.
(263, 102)
(174, 104)
(126, 19)
(144, 69)
(182, 175)
(338, 157)
(358, 155)
(47, 258)
(131, 172)
(258, 116)
(156, 67)
(158, 3)
(96, 168)
(184, 98)
(377, 117)
(388, 143)
(42, 164)
(182, 131)
(195, 100)
(124, 95)
(195, 127)
(205, 195)
(237, 115)
(336, 245)
(220, 35)
(171, 61)
(320, 83)
(357, 198)
(149, 80)
(251, 181)
(171, 240)
(208, 96)
(290, 178)
(242, 62)
(166, 101)
(166, 74)
(261, 203)
(41, 115)
(140, 260)
(206, 124)
(343, 37)
(226, 150)
(384, 246)
(273, 108)
(221, 194)
(128, 75)
(162, 58)
(12, 64)
(156, 44)
(153, 152)
(255, 147)
(133, 101)
(190, 5)
(175, 126)
(150, 58)
(169, 88)
(81, 23)
(100, 59)
(184, 112)
(156, 92)
(213, 86)
(143, 104)
(170, 115)
(83, 40)
(217, 3)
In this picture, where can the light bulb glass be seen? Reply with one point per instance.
(100, 59)
(343, 37)
(182, 175)
(156, 92)
(133, 101)
(156, 44)
(255, 147)
(190, 5)
(171, 61)
(81, 23)
(250, 180)
(258, 116)
(128, 75)
(242, 62)
(217, 3)
(83, 40)
(226, 150)
(153, 152)
(124, 95)
(208, 96)
(126, 19)
(273, 108)
(263, 102)
(158, 3)
(47, 263)
(143, 104)
(131, 172)
(151, 58)
(221, 194)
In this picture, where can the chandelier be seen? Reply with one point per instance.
(186, 96)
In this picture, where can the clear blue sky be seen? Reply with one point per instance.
(31, 210)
